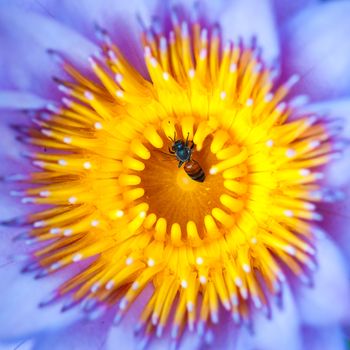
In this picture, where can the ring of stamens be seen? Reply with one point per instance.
(114, 196)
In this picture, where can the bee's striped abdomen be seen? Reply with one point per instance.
(194, 171)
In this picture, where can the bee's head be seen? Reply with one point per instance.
(178, 145)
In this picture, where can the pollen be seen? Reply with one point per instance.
(115, 200)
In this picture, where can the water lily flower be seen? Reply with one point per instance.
(174, 174)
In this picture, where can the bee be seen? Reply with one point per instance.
(183, 153)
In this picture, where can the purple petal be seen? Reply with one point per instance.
(336, 211)
(326, 338)
(121, 20)
(280, 332)
(82, 15)
(240, 19)
(13, 165)
(23, 344)
(315, 45)
(124, 336)
(9, 146)
(84, 335)
(286, 9)
(337, 221)
(20, 100)
(11, 208)
(24, 62)
(225, 334)
(338, 172)
(123, 332)
(328, 301)
(20, 296)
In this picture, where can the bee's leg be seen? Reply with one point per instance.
(192, 146)
(180, 163)
(171, 151)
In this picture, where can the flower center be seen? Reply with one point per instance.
(175, 196)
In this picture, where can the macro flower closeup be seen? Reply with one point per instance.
(174, 175)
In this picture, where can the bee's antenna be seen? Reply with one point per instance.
(172, 139)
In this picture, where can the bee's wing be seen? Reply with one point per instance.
(168, 156)
(165, 154)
